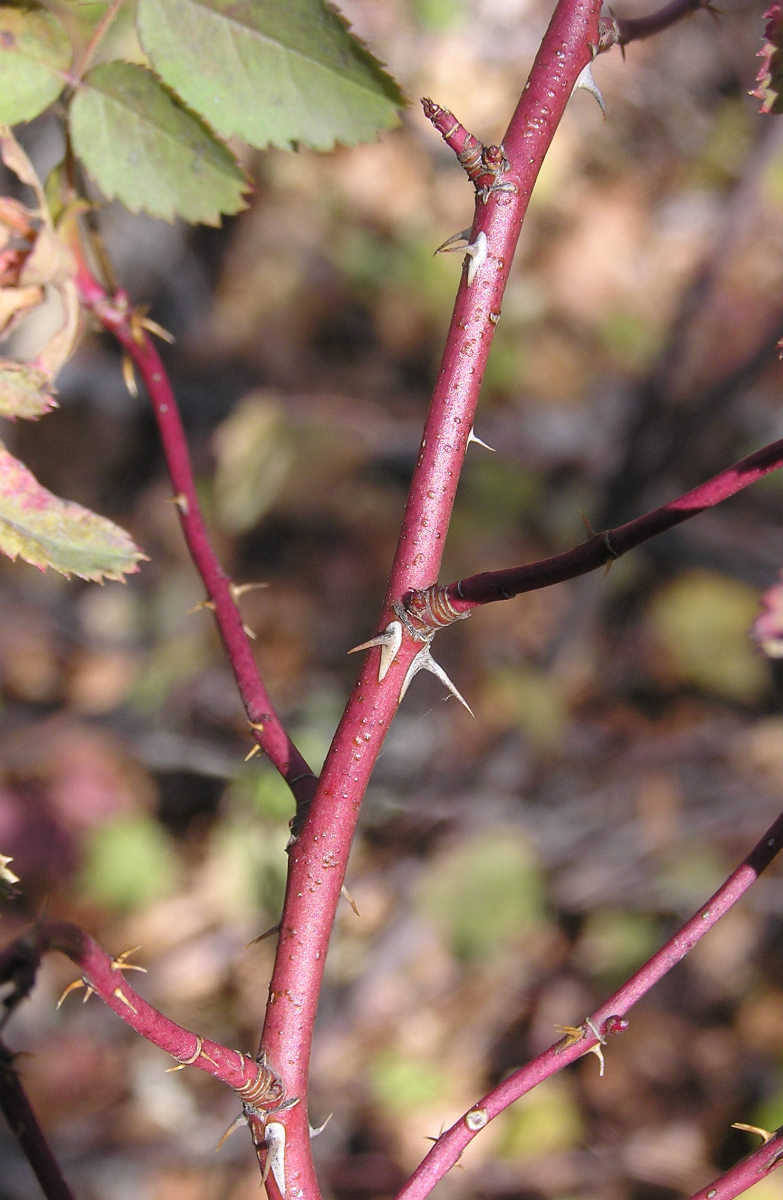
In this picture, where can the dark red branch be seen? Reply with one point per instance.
(619, 31)
(23, 1123)
(607, 1019)
(466, 594)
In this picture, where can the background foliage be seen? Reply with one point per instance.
(509, 870)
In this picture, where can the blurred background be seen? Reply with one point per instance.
(512, 870)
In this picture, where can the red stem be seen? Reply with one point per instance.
(319, 857)
(447, 1150)
(266, 726)
(105, 976)
(744, 1174)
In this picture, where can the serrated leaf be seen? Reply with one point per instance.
(35, 54)
(25, 391)
(270, 72)
(48, 532)
(143, 148)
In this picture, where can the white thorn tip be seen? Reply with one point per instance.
(586, 81)
(425, 662)
(477, 254)
(389, 641)
(448, 246)
(274, 1140)
(472, 438)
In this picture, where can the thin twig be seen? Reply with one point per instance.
(23, 1123)
(490, 586)
(450, 1145)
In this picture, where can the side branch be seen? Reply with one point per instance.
(619, 31)
(744, 1174)
(466, 594)
(118, 318)
(592, 1033)
(253, 1081)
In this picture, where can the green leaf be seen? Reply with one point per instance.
(270, 72)
(48, 532)
(143, 148)
(35, 54)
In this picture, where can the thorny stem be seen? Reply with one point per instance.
(619, 31)
(747, 1172)
(23, 1124)
(105, 976)
(318, 858)
(489, 586)
(267, 729)
(450, 1145)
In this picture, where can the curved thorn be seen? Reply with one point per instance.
(477, 252)
(586, 81)
(425, 662)
(448, 247)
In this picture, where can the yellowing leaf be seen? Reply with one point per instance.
(25, 391)
(48, 532)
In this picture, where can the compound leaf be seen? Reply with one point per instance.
(143, 148)
(270, 72)
(35, 54)
(48, 532)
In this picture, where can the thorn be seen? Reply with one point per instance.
(181, 502)
(202, 604)
(477, 252)
(346, 895)
(239, 589)
(263, 936)
(425, 662)
(153, 327)
(274, 1140)
(575, 1033)
(586, 81)
(389, 641)
(472, 438)
(234, 1125)
(588, 524)
(72, 987)
(252, 752)
(120, 964)
(764, 1134)
(249, 633)
(129, 377)
(117, 993)
(319, 1128)
(448, 247)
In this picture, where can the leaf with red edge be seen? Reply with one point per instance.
(769, 81)
(49, 532)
